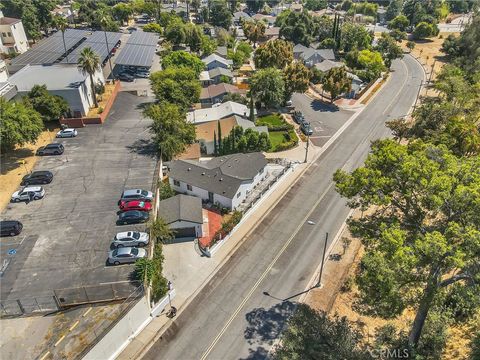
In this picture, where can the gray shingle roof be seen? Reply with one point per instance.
(181, 208)
(220, 71)
(221, 175)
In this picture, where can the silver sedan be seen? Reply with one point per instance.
(130, 238)
(126, 255)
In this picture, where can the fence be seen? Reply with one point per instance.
(28, 306)
(95, 293)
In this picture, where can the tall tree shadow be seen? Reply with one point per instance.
(266, 325)
(143, 147)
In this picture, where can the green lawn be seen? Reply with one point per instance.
(276, 137)
(272, 120)
(279, 138)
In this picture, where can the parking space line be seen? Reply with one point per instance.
(86, 312)
(15, 243)
(320, 136)
(59, 340)
(74, 325)
(114, 282)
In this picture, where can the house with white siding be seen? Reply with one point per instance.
(224, 180)
(214, 61)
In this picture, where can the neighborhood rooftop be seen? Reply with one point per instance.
(181, 208)
(139, 49)
(221, 175)
(218, 111)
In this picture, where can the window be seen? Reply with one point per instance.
(4, 34)
(10, 34)
(176, 182)
(238, 195)
(189, 187)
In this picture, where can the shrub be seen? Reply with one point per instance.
(100, 110)
(150, 271)
(234, 219)
(165, 190)
(347, 284)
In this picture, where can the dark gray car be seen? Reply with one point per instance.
(51, 149)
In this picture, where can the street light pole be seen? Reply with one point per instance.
(319, 283)
(418, 95)
(306, 148)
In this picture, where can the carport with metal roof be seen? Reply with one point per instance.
(139, 50)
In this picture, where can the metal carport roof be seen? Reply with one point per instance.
(136, 55)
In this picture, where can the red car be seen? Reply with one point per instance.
(135, 205)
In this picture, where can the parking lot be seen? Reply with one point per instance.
(66, 235)
(324, 119)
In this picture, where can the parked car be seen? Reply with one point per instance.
(28, 193)
(67, 133)
(306, 129)
(135, 205)
(136, 194)
(126, 77)
(51, 149)
(37, 178)
(126, 255)
(143, 74)
(298, 116)
(132, 217)
(10, 227)
(130, 238)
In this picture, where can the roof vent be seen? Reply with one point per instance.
(203, 173)
(221, 179)
(223, 192)
(189, 169)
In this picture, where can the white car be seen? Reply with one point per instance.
(28, 193)
(130, 238)
(67, 133)
(142, 74)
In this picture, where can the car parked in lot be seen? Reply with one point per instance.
(51, 149)
(135, 205)
(28, 193)
(135, 194)
(66, 133)
(37, 178)
(298, 117)
(306, 129)
(10, 227)
(132, 217)
(130, 238)
(142, 74)
(126, 255)
(125, 77)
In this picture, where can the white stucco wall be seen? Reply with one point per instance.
(18, 36)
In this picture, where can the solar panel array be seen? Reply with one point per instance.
(139, 50)
(51, 49)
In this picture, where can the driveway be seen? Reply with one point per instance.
(324, 119)
(66, 235)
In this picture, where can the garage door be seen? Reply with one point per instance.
(185, 232)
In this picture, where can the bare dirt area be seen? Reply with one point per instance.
(17, 163)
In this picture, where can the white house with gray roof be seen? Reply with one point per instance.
(310, 56)
(214, 61)
(218, 111)
(225, 180)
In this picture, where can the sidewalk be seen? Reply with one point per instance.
(189, 272)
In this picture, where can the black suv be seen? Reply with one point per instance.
(132, 217)
(306, 129)
(10, 227)
(37, 178)
(51, 149)
(298, 117)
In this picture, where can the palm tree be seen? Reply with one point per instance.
(62, 24)
(104, 23)
(88, 63)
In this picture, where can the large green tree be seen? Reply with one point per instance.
(371, 65)
(425, 30)
(171, 132)
(354, 36)
(268, 87)
(177, 85)
(399, 22)
(274, 53)
(19, 124)
(390, 50)
(311, 334)
(50, 107)
(175, 33)
(220, 14)
(194, 37)
(336, 82)
(183, 59)
(298, 28)
(254, 31)
(297, 78)
(422, 233)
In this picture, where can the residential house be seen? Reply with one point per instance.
(206, 132)
(221, 51)
(268, 19)
(183, 214)
(3, 71)
(218, 74)
(204, 78)
(13, 39)
(326, 65)
(192, 152)
(357, 86)
(65, 11)
(214, 61)
(214, 94)
(224, 180)
(218, 111)
(239, 15)
(310, 56)
(272, 33)
(7, 90)
(64, 80)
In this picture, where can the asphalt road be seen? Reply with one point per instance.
(66, 236)
(243, 309)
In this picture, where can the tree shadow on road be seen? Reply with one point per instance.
(266, 325)
(318, 105)
(259, 354)
(143, 147)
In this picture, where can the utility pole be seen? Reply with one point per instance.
(430, 77)
(319, 283)
(306, 148)
(418, 95)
